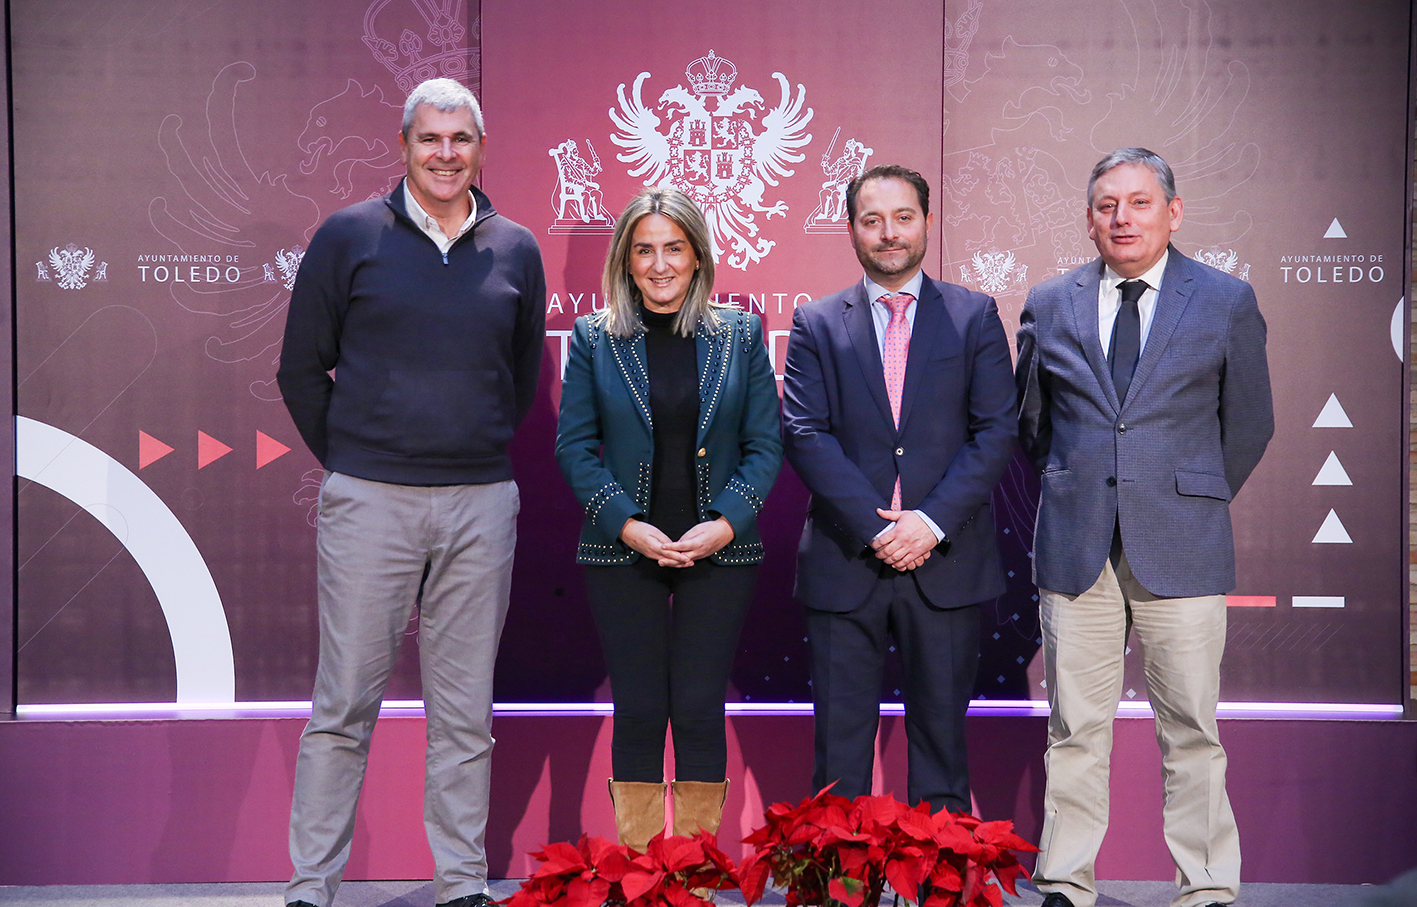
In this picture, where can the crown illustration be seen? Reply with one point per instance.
(441, 50)
(711, 74)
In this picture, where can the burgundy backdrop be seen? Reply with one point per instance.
(151, 292)
(173, 157)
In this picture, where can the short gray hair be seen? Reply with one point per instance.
(442, 94)
(1135, 156)
(621, 315)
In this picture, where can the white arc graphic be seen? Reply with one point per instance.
(1332, 415)
(1395, 331)
(1332, 532)
(152, 534)
(1332, 472)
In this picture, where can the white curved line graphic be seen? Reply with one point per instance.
(113, 495)
(1395, 329)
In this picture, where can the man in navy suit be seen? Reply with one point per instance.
(898, 414)
(1145, 403)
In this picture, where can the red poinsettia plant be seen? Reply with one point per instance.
(595, 872)
(830, 849)
(827, 851)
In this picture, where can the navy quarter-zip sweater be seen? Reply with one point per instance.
(405, 365)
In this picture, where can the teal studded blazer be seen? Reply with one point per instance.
(605, 442)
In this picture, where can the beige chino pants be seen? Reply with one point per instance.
(1084, 641)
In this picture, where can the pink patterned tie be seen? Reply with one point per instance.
(897, 348)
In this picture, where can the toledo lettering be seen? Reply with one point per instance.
(1332, 268)
(188, 268)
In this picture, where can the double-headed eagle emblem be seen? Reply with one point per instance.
(712, 150)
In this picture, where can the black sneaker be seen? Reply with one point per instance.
(481, 899)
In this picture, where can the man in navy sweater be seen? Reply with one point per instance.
(412, 351)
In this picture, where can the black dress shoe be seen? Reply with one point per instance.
(1057, 899)
(300, 904)
(481, 899)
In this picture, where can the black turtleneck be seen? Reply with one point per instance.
(673, 367)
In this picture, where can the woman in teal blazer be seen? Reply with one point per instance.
(669, 437)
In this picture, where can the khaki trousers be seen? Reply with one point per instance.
(1084, 641)
(374, 543)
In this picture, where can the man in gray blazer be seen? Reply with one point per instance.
(1145, 403)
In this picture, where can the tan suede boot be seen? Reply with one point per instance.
(639, 811)
(698, 805)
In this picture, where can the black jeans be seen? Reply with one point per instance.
(669, 635)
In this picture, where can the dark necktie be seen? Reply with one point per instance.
(1126, 338)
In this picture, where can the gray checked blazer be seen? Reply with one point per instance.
(1163, 465)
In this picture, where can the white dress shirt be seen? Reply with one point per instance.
(881, 314)
(1109, 301)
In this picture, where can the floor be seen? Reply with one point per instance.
(420, 894)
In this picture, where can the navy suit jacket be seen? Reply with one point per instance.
(1165, 463)
(956, 435)
(605, 443)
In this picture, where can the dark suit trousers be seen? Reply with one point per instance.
(669, 635)
(939, 654)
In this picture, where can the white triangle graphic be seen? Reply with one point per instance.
(1332, 532)
(1335, 231)
(1332, 415)
(1332, 472)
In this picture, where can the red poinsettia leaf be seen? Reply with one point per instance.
(917, 825)
(587, 892)
(558, 858)
(834, 812)
(682, 853)
(679, 896)
(955, 837)
(940, 897)
(852, 859)
(522, 897)
(1008, 874)
(848, 891)
(597, 849)
(1001, 834)
(712, 854)
(978, 892)
(946, 876)
(904, 877)
(753, 879)
(638, 882)
(880, 809)
(613, 864)
(968, 820)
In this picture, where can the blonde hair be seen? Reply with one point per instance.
(621, 315)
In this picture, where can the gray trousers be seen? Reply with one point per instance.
(374, 542)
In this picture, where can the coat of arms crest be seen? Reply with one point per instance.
(995, 271)
(712, 151)
(70, 266)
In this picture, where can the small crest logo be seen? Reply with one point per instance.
(288, 262)
(830, 214)
(577, 199)
(711, 151)
(1224, 260)
(994, 271)
(70, 267)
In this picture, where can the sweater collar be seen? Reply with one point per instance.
(394, 200)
